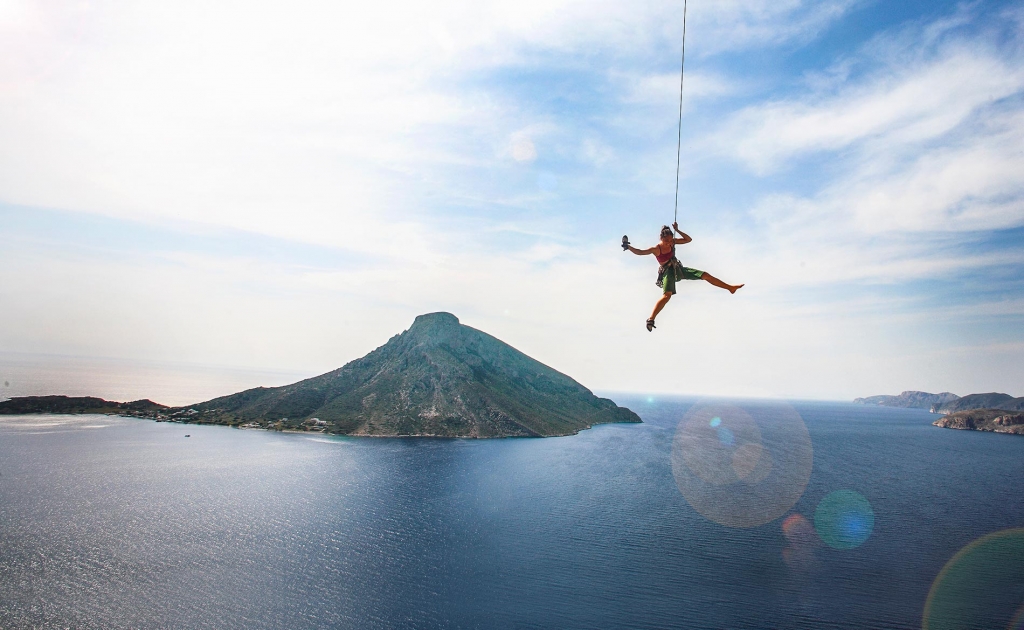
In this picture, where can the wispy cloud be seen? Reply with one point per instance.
(664, 87)
(898, 107)
(309, 121)
(922, 148)
(737, 24)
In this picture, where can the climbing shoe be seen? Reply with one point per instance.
(625, 243)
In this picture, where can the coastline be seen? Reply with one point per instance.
(313, 429)
(988, 420)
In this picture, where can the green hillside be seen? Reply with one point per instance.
(438, 378)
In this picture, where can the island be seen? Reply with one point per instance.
(992, 400)
(909, 400)
(439, 378)
(80, 405)
(977, 412)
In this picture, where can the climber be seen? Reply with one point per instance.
(671, 270)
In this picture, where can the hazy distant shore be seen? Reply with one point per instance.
(995, 412)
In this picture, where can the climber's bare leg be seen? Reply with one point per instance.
(718, 283)
(661, 304)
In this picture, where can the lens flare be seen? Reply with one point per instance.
(802, 540)
(1018, 620)
(747, 457)
(726, 437)
(981, 586)
(799, 532)
(844, 519)
(741, 466)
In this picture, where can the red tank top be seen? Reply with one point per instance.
(664, 258)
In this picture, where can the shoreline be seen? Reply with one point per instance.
(302, 431)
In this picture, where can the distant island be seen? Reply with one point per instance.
(977, 412)
(80, 404)
(440, 378)
(909, 399)
(970, 402)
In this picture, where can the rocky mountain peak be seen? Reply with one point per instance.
(434, 329)
(438, 378)
(434, 321)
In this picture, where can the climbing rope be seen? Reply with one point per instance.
(679, 135)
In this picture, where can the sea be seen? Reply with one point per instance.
(874, 519)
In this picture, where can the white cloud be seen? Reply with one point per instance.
(894, 218)
(303, 120)
(974, 183)
(1010, 307)
(737, 24)
(896, 107)
(921, 153)
(663, 88)
(580, 310)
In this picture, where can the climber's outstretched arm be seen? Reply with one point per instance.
(641, 252)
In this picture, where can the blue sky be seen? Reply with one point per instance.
(286, 185)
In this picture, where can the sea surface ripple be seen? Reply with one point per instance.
(122, 523)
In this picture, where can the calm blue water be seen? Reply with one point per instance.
(114, 522)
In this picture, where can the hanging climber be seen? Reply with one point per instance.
(671, 270)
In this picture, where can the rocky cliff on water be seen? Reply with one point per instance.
(995, 420)
(439, 378)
